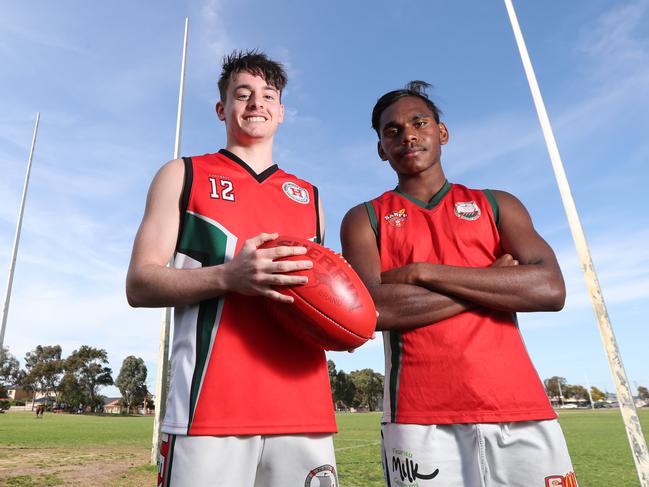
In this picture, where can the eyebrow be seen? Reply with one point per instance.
(249, 87)
(417, 116)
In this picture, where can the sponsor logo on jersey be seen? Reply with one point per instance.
(567, 480)
(406, 469)
(467, 210)
(322, 476)
(296, 193)
(397, 218)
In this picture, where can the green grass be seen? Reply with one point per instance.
(73, 431)
(596, 440)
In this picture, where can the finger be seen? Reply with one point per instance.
(284, 280)
(279, 297)
(262, 238)
(285, 266)
(283, 251)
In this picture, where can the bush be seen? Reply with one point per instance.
(4, 404)
(19, 402)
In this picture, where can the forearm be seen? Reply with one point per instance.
(403, 306)
(532, 287)
(153, 286)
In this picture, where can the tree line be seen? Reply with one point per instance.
(72, 383)
(557, 387)
(360, 389)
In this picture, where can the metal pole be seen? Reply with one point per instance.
(162, 376)
(560, 393)
(14, 253)
(625, 398)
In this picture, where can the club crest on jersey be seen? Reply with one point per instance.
(296, 193)
(397, 218)
(322, 476)
(467, 210)
(568, 480)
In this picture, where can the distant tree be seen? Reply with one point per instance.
(344, 390)
(88, 368)
(131, 381)
(369, 388)
(71, 393)
(575, 391)
(9, 371)
(643, 393)
(552, 386)
(44, 369)
(331, 366)
(597, 394)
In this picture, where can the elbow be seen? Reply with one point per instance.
(555, 297)
(134, 295)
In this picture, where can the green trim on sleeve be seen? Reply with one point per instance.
(495, 209)
(372, 216)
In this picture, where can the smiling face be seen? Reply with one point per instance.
(252, 109)
(410, 137)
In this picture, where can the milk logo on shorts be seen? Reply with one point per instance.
(405, 469)
(397, 218)
(296, 193)
(467, 210)
(322, 476)
(567, 480)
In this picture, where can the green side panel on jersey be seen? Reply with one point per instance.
(207, 244)
(434, 201)
(369, 207)
(493, 202)
(396, 350)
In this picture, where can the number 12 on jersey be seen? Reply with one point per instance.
(221, 189)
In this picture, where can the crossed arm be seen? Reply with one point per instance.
(150, 283)
(525, 278)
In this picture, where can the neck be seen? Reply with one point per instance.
(258, 156)
(424, 185)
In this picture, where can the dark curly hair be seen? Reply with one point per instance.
(414, 88)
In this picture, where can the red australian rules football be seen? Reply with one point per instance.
(334, 310)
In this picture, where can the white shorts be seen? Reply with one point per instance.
(521, 454)
(247, 461)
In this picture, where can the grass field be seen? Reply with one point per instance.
(110, 451)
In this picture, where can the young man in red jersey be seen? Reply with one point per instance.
(448, 268)
(249, 404)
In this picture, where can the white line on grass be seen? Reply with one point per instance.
(358, 446)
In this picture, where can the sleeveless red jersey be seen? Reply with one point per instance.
(234, 370)
(470, 368)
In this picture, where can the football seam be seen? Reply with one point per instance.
(296, 295)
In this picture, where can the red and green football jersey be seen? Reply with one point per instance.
(470, 368)
(235, 371)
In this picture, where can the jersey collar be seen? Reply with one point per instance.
(261, 177)
(434, 201)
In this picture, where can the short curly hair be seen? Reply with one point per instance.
(414, 88)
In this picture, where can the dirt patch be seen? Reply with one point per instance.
(86, 467)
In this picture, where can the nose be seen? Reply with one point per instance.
(409, 135)
(255, 100)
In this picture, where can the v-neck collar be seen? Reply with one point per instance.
(433, 202)
(261, 177)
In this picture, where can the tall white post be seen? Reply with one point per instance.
(162, 375)
(625, 397)
(14, 253)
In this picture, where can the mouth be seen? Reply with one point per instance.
(254, 118)
(410, 151)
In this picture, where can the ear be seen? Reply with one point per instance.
(443, 133)
(381, 152)
(220, 111)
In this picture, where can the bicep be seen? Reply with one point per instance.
(359, 246)
(518, 235)
(156, 238)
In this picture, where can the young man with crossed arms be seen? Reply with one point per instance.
(448, 268)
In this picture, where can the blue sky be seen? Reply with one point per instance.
(105, 78)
